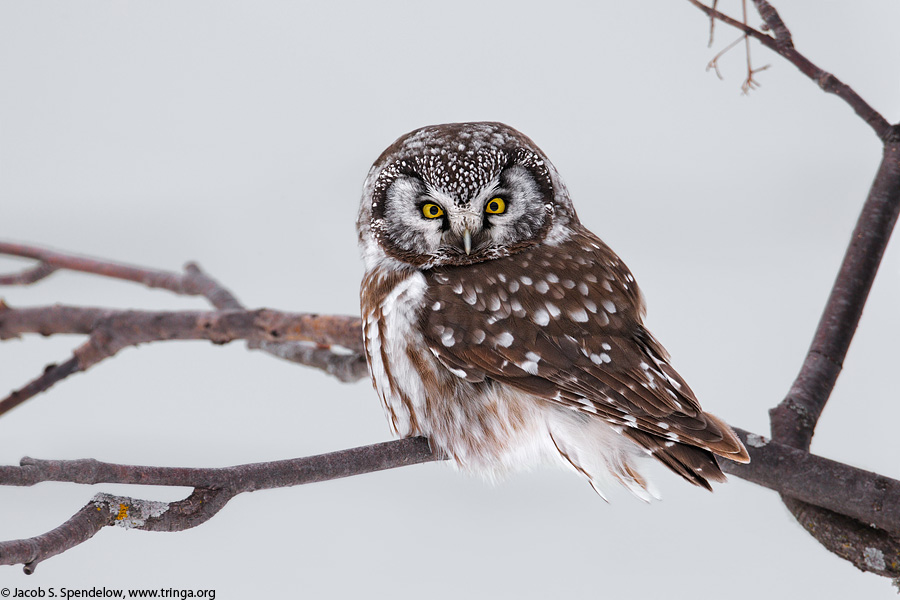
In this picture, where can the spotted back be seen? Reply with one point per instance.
(564, 323)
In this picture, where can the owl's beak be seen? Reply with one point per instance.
(465, 227)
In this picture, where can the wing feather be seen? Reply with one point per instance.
(573, 335)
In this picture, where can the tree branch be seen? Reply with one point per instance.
(113, 330)
(782, 43)
(794, 420)
(28, 276)
(193, 282)
(213, 488)
(863, 495)
(273, 332)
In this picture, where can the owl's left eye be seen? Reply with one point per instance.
(495, 206)
(432, 210)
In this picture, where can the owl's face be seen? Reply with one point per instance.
(459, 194)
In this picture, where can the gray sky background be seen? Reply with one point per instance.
(238, 134)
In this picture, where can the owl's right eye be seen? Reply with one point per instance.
(432, 210)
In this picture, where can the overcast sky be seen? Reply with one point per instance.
(238, 134)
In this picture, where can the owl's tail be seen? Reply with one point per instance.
(694, 458)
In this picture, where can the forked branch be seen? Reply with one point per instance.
(782, 42)
(794, 420)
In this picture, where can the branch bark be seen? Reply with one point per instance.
(110, 331)
(213, 488)
(782, 43)
(794, 420)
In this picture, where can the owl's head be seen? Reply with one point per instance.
(459, 194)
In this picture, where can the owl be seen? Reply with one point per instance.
(497, 326)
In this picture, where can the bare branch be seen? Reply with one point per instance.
(193, 282)
(862, 495)
(80, 528)
(112, 330)
(52, 375)
(345, 367)
(867, 548)
(240, 478)
(782, 43)
(213, 489)
(794, 420)
(28, 276)
(714, 63)
(219, 327)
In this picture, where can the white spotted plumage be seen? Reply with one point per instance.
(504, 331)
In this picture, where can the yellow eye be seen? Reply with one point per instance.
(432, 211)
(495, 206)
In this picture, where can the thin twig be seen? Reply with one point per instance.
(28, 276)
(783, 45)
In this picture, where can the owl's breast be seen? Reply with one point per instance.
(391, 302)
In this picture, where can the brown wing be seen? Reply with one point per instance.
(564, 323)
